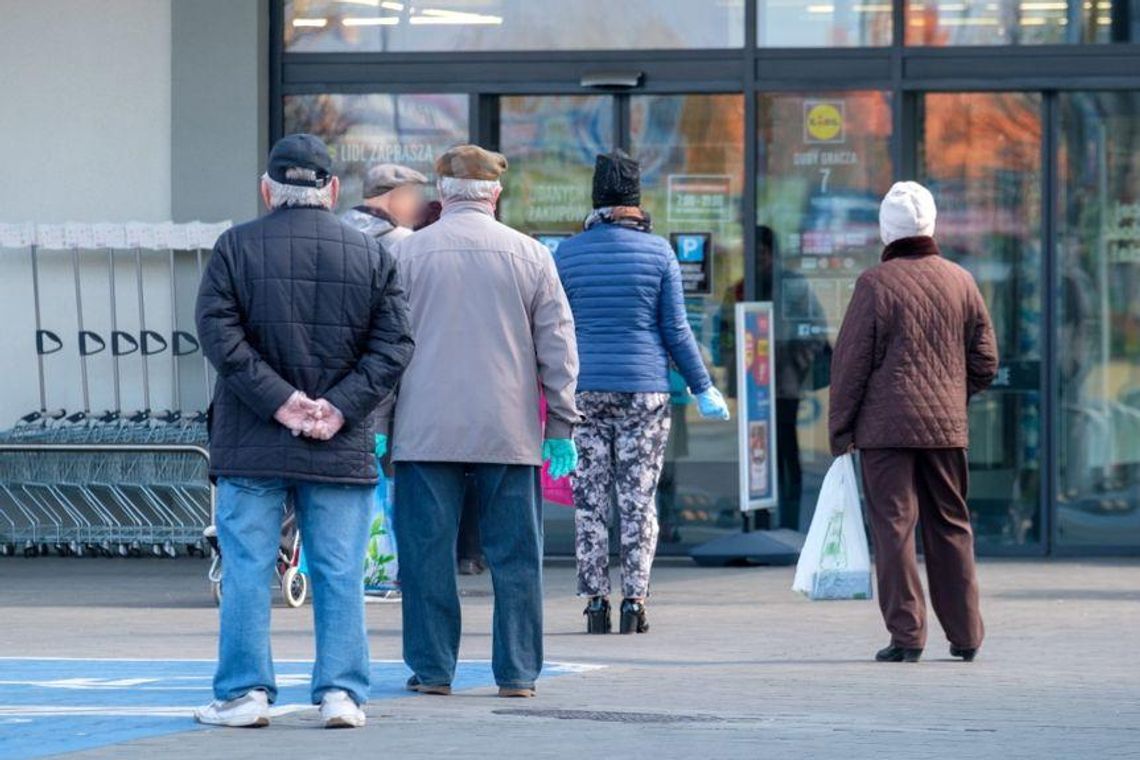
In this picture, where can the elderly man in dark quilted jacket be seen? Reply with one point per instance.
(915, 345)
(302, 317)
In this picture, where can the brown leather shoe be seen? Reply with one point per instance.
(439, 690)
(511, 692)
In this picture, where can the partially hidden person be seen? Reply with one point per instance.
(916, 344)
(304, 321)
(393, 203)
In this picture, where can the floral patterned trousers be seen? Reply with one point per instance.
(621, 449)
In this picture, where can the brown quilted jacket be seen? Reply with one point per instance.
(916, 344)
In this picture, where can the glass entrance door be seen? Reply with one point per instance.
(823, 163)
(691, 148)
(980, 154)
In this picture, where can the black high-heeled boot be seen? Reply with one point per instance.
(633, 618)
(893, 653)
(598, 615)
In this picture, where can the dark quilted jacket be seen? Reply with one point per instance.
(624, 288)
(916, 343)
(298, 300)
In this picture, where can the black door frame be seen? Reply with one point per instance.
(905, 72)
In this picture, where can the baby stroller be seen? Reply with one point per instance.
(294, 582)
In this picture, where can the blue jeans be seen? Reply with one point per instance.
(334, 528)
(429, 502)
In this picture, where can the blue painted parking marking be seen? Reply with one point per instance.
(51, 706)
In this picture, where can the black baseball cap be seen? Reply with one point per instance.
(300, 159)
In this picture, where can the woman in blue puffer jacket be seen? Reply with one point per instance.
(624, 287)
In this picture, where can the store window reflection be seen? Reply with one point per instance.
(551, 142)
(379, 128)
(981, 157)
(691, 149)
(823, 23)
(823, 164)
(466, 25)
(1098, 322)
(1021, 22)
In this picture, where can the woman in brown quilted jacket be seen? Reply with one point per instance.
(915, 345)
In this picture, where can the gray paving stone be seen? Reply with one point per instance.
(736, 666)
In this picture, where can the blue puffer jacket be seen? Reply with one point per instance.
(624, 287)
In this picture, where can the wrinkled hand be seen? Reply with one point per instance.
(562, 455)
(712, 405)
(327, 421)
(297, 413)
(381, 445)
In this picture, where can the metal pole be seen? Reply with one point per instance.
(114, 331)
(205, 360)
(142, 329)
(79, 322)
(39, 327)
(176, 388)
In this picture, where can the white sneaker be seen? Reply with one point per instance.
(248, 711)
(339, 710)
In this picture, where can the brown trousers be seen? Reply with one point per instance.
(902, 486)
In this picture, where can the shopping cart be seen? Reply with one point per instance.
(291, 577)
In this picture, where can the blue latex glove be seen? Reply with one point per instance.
(712, 405)
(562, 455)
(381, 445)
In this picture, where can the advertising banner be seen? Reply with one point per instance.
(756, 413)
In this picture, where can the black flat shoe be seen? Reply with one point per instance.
(967, 655)
(898, 654)
(598, 615)
(633, 619)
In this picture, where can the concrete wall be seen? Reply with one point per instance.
(116, 111)
(220, 73)
(85, 95)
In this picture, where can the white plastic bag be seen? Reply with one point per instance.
(835, 562)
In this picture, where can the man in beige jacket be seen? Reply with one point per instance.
(492, 326)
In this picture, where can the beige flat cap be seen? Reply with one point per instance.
(471, 162)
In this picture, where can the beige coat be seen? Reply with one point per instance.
(491, 322)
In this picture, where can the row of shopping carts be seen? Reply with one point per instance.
(111, 486)
(108, 483)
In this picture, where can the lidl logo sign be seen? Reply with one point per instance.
(824, 121)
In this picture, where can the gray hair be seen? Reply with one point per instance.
(281, 194)
(456, 189)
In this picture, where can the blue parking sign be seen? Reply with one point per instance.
(694, 254)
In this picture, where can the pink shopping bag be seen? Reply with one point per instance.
(557, 491)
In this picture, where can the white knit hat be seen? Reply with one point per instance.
(906, 211)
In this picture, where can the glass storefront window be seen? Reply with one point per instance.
(823, 23)
(981, 157)
(824, 162)
(325, 26)
(551, 143)
(364, 129)
(1098, 320)
(1021, 22)
(691, 149)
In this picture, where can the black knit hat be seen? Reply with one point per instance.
(617, 180)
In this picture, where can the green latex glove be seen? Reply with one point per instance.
(381, 445)
(562, 455)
